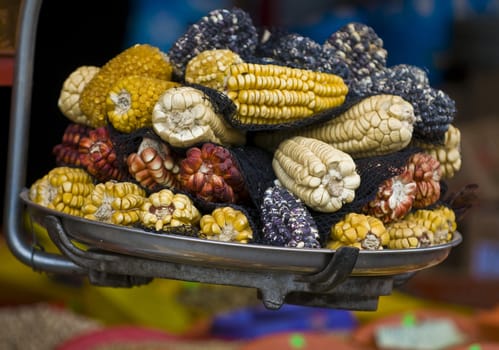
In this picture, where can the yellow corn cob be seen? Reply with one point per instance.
(272, 94)
(165, 209)
(408, 234)
(441, 221)
(377, 125)
(69, 98)
(63, 189)
(131, 100)
(226, 224)
(323, 177)
(360, 231)
(448, 154)
(140, 59)
(184, 116)
(209, 68)
(114, 202)
(267, 94)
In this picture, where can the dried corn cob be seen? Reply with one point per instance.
(98, 156)
(131, 100)
(220, 29)
(63, 189)
(67, 152)
(114, 202)
(184, 116)
(323, 177)
(441, 221)
(394, 198)
(165, 209)
(298, 51)
(360, 47)
(69, 98)
(286, 220)
(153, 165)
(448, 154)
(211, 173)
(426, 173)
(434, 109)
(209, 68)
(226, 224)
(140, 59)
(377, 125)
(408, 234)
(358, 230)
(272, 94)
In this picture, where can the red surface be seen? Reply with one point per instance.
(6, 70)
(309, 341)
(111, 335)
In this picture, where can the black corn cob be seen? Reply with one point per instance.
(298, 51)
(433, 108)
(286, 220)
(219, 29)
(359, 47)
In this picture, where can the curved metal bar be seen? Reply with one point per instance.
(18, 147)
(338, 269)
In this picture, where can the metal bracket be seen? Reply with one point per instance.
(331, 286)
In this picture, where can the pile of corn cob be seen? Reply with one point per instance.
(184, 158)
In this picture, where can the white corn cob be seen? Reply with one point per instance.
(323, 177)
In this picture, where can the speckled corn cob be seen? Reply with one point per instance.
(323, 177)
(184, 116)
(69, 98)
(377, 125)
(358, 230)
(272, 94)
(114, 202)
(286, 220)
(226, 224)
(426, 173)
(164, 209)
(131, 100)
(298, 51)
(441, 221)
(448, 153)
(63, 189)
(360, 47)
(140, 59)
(408, 234)
(230, 29)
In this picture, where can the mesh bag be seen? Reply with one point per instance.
(225, 107)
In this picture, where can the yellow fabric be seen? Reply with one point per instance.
(154, 304)
(398, 302)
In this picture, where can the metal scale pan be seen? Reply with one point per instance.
(125, 256)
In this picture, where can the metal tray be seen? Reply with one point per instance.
(246, 257)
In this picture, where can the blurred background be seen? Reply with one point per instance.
(455, 41)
